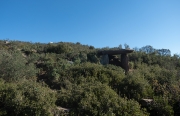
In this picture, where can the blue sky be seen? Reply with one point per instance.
(100, 23)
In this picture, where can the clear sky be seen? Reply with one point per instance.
(99, 23)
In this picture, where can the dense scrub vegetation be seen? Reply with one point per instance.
(43, 79)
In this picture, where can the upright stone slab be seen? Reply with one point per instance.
(104, 59)
(124, 62)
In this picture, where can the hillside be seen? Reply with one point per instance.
(69, 79)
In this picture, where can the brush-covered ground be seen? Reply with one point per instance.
(63, 78)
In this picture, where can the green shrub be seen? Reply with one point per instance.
(93, 98)
(14, 66)
(26, 98)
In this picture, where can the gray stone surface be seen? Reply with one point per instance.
(104, 59)
(109, 58)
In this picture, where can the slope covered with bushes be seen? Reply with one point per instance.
(37, 79)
